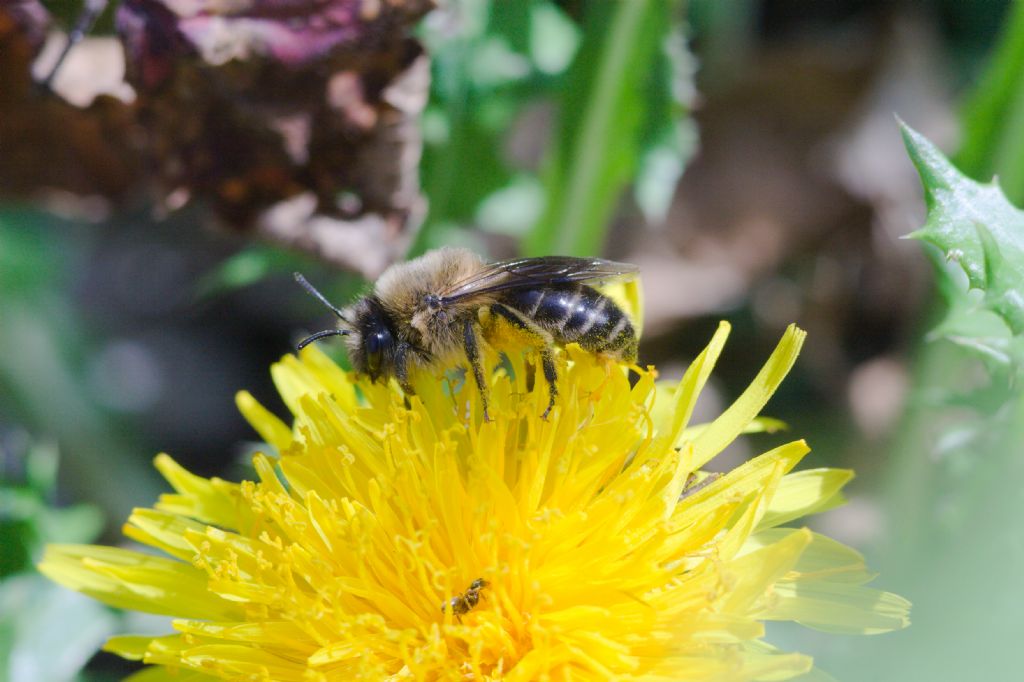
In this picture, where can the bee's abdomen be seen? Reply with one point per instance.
(579, 314)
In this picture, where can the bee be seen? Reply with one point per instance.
(435, 310)
(461, 604)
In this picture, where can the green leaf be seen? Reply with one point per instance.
(993, 118)
(28, 520)
(48, 632)
(17, 538)
(623, 81)
(553, 38)
(975, 226)
(487, 66)
(611, 114)
(976, 330)
(512, 209)
(669, 136)
(247, 267)
(28, 259)
(41, 467)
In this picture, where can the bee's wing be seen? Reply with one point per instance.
(522, 273)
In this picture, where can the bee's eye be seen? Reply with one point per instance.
(376, 343)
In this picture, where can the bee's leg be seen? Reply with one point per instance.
(402, 370)
(547, 361)
(472, 344)
(543, 342)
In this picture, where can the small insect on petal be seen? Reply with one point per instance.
(461, 604)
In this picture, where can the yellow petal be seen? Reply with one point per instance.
(735, 419)
(243, 662)
(738, 484)
(270, 633)
(761, 569)
(131, 580)
(326, 372)
(209, 500)
(758, 425)
(799, 673)
(159, 673)
(814, 675)
(132, 647)
(823, 559)
(686, 393)
(162, 530)
(271, 429)
(773, 666)
(806, 492)
(311, 376)
(839, 607)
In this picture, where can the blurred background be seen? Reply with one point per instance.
(157, 193)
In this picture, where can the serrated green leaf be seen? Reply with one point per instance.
(975, 226)
(1004, 283)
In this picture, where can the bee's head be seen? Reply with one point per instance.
(368, 330)
(372, 340)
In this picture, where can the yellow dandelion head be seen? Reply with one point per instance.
(393, 538)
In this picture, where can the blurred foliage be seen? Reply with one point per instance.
(250, 266)
(246, 267)
(489, 61)
(993, 118)
(27, 519)
(42, 373)
(620, 121)
(46, 632)
(621, 80)
(953, 538)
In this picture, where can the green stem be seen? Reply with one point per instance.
(573, 237)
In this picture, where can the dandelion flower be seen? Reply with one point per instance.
(596, 546)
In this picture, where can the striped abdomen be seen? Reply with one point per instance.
(580, 314)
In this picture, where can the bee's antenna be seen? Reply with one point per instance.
(319, 335)
(311, 290)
